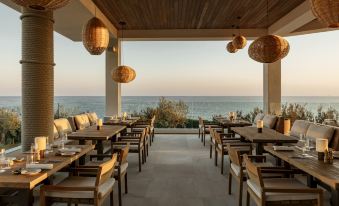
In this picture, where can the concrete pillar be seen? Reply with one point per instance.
(113, 89)
(272, 88)
(37, 75)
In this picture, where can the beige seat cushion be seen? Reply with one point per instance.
(55, 132)
(319, 132)
(269, 121)
(63, 126)
(299, 127)
(82, 121)
(260, 116)
(76, 181)
(284, 183)
(123, 169)
(236, 168)
(93, 117)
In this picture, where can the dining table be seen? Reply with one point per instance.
(227, 123)
(267, 135)
(18, 188)
(98, 136)
(129, 122)
(318, 172)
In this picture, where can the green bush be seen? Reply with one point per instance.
(251, 115)
(64, 112)
(330, 113)
(10, 126)
(296, 111)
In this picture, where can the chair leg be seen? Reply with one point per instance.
(240, 193)
(204, 140)
(126, 186)
(229, 183)
(202, 136)
(211, 151)
(42, 198)
(147, 147)
(248, 199)
(150, 139)
(222, 162)
(119, 190)
(112, 199)
(139, 156)
(216, 158)
(199, 133)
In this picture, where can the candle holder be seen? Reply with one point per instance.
(99, 127)
(260, 130)
(260, 125)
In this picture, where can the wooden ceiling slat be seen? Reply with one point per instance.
(194, 14)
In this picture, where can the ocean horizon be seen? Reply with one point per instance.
(205, 106)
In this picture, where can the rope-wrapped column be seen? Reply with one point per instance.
(37, 75)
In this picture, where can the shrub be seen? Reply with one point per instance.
(296, 111)
(10, 126)
(330, 113)
(171, 114)
(251, 115)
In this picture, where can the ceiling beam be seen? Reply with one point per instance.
(312, 27)
(190, 34)
(295, 19)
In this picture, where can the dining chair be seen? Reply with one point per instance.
(136, 141)
(146, 123)
(82, 190)
(204, 128)
(221, 147)
(278, 191)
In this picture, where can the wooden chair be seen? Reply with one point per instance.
(136, 141)
(204, 128)
(224, 137)
(278, 191)
(82, 190)
(146, 123)
(237, 169)
(221, 147)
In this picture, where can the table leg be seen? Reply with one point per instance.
(27, 198)
(100, 149)
(278, 160)
(311, 181)
(335, 197)
(82, 159)
(259, 150)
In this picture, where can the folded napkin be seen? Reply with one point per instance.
(72, 149)
(283, 148)
(40, 166)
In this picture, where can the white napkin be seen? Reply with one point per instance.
(283, 148)
(40, 166)
(72, 149)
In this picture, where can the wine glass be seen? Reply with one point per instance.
(302, 142)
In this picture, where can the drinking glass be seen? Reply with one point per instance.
(302, 142)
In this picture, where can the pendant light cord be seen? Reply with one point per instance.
(267, 17)
(121, 42)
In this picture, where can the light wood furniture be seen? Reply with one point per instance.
(204, 128)
(150, 123)
(25, 183)
(78, 189)
(267, 136)
(326, 175)
(128, 122)
(225, 123)
(278, 191)
(107, 132)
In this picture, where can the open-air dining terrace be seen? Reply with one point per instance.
(278, 155)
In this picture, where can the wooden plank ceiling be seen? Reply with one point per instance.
(194, 14)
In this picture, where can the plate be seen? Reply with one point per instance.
(30, 171)
(67, 153)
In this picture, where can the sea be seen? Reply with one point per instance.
(204, 106)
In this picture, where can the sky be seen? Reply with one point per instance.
(177, 68)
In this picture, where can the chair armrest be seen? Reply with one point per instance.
(63, 188)
(303, 190)
(231, 138)
(99, 155)
(125, 143)
(257, 157)
(226, 134)
(132, 134)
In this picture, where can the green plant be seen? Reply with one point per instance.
(64, 112)
(330, 113)
(296, 111)
(251, 115)
(10, 126)
(171, 114)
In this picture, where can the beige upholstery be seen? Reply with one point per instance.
(55, 132)
(334, 143)
(63, 126)
(283, 183)
(260, 116)
(71, 121)
(270, 121)
(81, 121)
(319, 131)
(123, 168)
(236, 168)
(76, 181)
(93, 117)
(299, 127)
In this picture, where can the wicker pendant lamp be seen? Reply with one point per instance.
(230, 48)
(269, 48)
(95, 36)
(42, 4)
(239, 42)
(326, 11)
(123, 73)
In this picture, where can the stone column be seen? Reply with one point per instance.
(113, 89)
(272, 88)
(37, 75)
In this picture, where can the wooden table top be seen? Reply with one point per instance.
(9, 180)
(91, 133)
(127, 122)
(234, 123)
(267, 135)
(327, 173)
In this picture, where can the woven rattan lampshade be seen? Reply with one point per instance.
(123, 74)
(42, 4)
(269, 49)
(230, 48)
(326, 11)
(95, 36)
(239, 42)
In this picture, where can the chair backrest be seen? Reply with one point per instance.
(253, 172)
(234, 155)
(152, 121)
(63, 126)
(55, 132)
(143, 135)
(201, 122)
(93, 117)
(105, 171)
(217, 137)
(81, 121)
(212, 131)
(123, 154)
